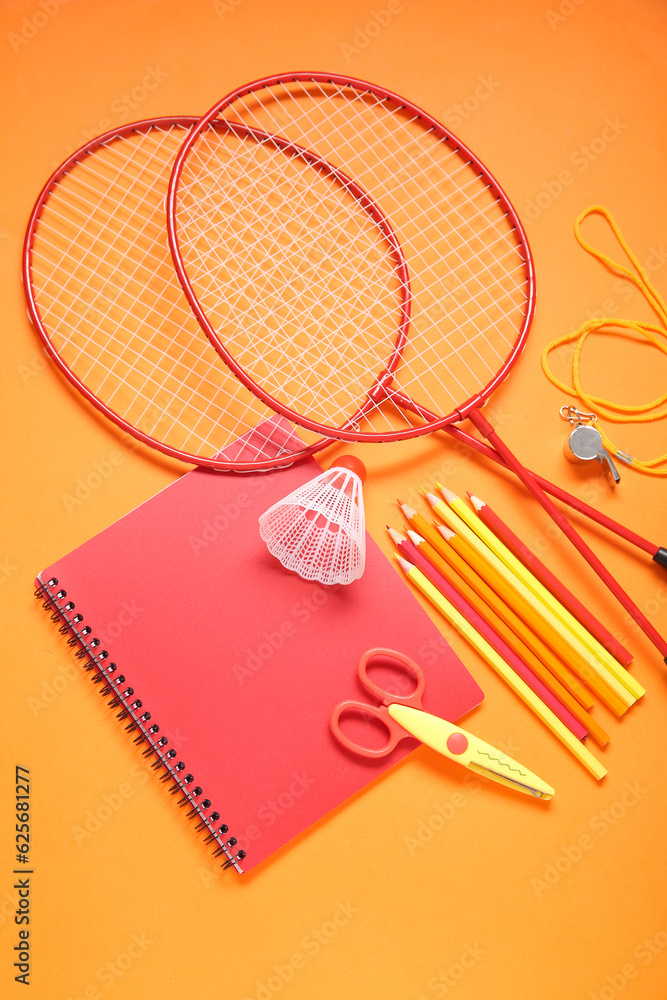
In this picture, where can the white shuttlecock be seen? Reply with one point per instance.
(319, 530)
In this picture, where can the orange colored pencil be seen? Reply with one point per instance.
(478, 573)
(492, 611)
(590, 667)
(538, 624)
(550, 581)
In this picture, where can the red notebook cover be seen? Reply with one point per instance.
(243, 659)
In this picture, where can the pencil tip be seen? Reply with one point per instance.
(395, 536)
(404, 564)
(447, 494)
(415, 538)
(407, 509)
(476, 502)
(446, 532)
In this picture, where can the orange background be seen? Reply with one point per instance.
(423, 886)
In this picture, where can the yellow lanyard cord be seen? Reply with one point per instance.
(656, 335)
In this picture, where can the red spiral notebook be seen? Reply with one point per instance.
(216, 642)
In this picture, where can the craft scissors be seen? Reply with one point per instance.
(404, 716)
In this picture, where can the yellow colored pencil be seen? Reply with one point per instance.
(525, 604)
(458, 525)
(512, 630)
(552, 634)
(541, 592)
(496, 662)
(483, 578)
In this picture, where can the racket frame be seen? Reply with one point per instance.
(350, 429)
(221, 465)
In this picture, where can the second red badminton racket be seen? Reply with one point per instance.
(315, 312)
(103, 297)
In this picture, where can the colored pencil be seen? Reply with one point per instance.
(548, 579)
(488, 631)
(495, 574)
(549, 632)
(479, 577)
(482, 424)
(491, 608)
(496, 662)
(586, 665)
(570, 623)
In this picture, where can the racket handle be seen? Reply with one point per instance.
(661, 557)
(486, 429)
(579, 505)
(583, 508)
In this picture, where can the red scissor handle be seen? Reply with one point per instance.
(395, 732)
(404, 664)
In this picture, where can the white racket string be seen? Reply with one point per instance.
(246, 271)
(251, 272)
(468, 272)
(125, 355)
(106, 300)
(295, 316)
(406, 201)
(94, 268)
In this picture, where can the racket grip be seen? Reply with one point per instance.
(661, 557)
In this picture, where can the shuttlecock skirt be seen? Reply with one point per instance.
(319, 531)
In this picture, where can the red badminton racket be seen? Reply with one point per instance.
(315, 311)
(103, 296)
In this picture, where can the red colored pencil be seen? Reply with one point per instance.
(550, 581)
(498, 616)
(412, 553)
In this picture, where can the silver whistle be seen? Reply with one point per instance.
(584, 443)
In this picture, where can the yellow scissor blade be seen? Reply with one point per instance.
(469, 750)
(544, 791)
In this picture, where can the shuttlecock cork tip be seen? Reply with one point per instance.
(352, 464)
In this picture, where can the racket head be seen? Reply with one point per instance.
(469, 274)
(103, 297)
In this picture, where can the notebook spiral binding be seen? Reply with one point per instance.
(113, 687)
